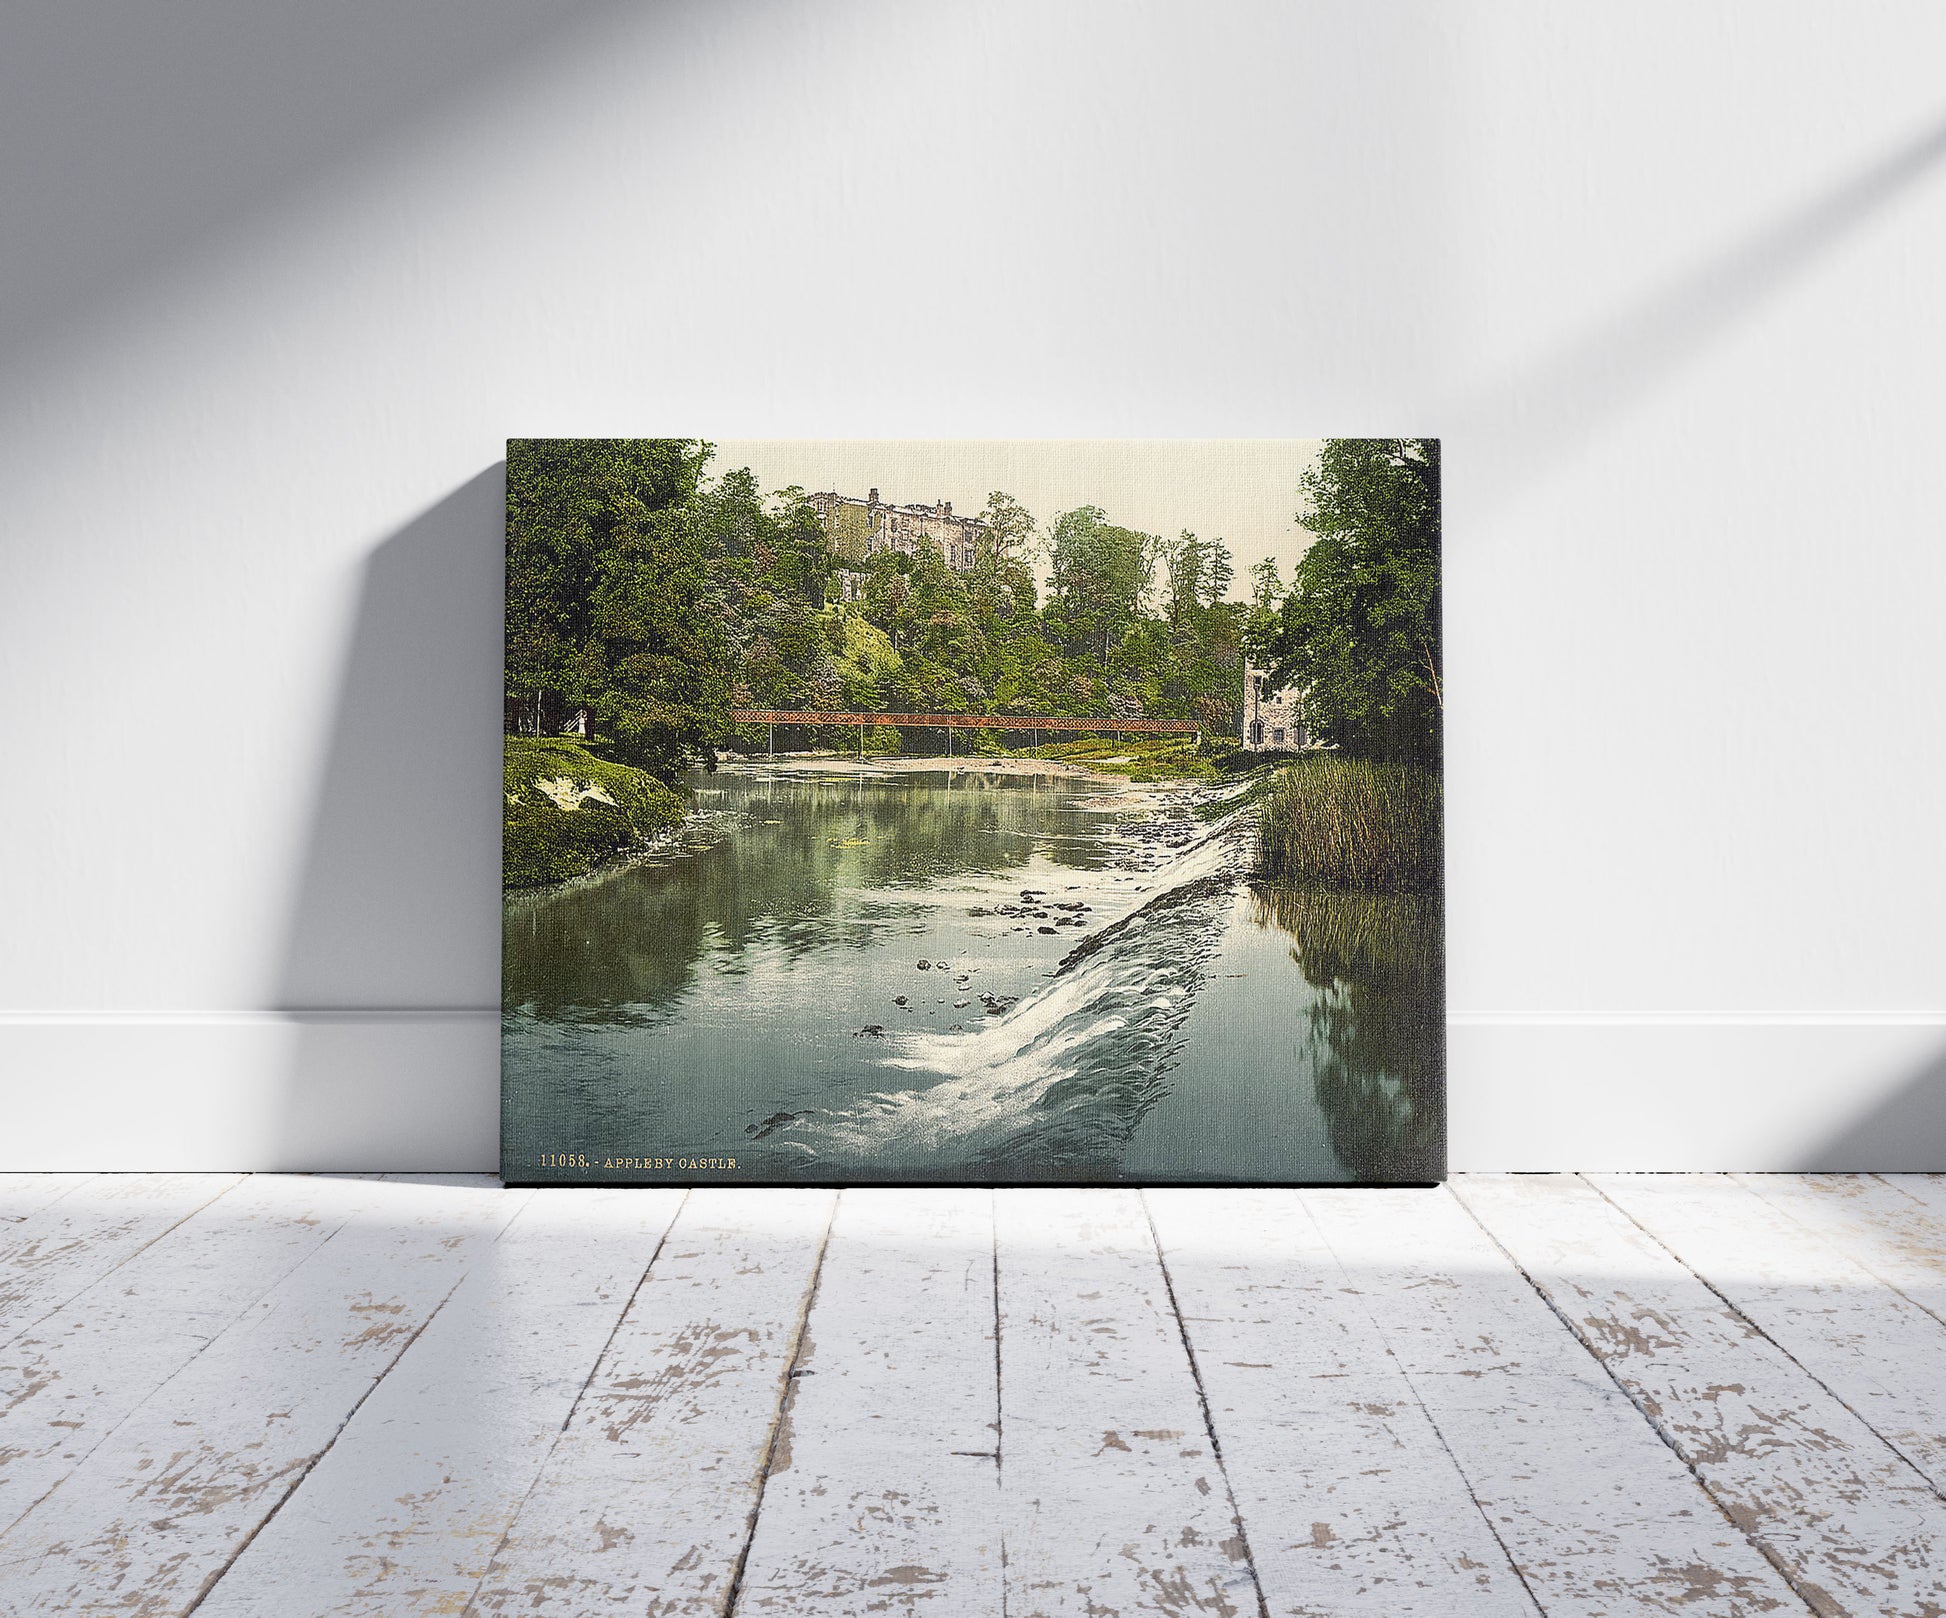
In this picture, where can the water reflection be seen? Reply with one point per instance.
(1377, 1024)
(798, 863)
(945, 976)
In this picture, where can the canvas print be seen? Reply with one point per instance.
(982, 813)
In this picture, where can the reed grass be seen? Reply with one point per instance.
(1347, 823)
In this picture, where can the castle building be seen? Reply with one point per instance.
(1273, 717)
(862, 528)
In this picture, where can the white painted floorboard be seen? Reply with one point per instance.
(1113, 1498)
(157, 1511)
(406, 1510)
(1718, 1395)
(64, 1245)
(22, 1194)
(647, 1501)
(1354, 1504)
(70, 1380)
(1842, 1514)
(1596, 1512)
(1870, 1346)
(883, 1489)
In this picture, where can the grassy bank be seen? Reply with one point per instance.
(567, 810)
(1334, 822)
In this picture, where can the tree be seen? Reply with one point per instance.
(1358, 632)
(801, 550)
(664, 651)
(659, 597)
(1009, 525)
(609, 603)
(1266, 584)
(1188, 563)
(1003, 571)
(1219, 571)
(1099, 575)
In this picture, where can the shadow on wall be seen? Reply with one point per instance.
(392, 957)
(1904, 1134)
(1551, 408)
(136, 138)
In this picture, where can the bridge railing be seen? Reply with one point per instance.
(965, 721)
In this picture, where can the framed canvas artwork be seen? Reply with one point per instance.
(992, 813)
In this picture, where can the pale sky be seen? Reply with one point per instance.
(1243, 491)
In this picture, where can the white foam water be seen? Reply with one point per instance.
(1064, 1077)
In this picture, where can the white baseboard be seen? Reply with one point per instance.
(1760, 1094)
(420, 1090)
(252, 1090)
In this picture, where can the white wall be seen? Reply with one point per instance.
(279, 281)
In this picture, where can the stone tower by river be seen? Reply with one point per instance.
(1273, 716)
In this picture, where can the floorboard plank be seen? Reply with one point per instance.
(1113, 1497)
(1855, 1527)
(72, 1378)
(1929, 1189)
(302, 1396)
(646, 1502)
(60, 1249)
(884, 1495)
(153, 1515)
(1876, 1351)
(1597, 1513)
(1351, 1502)
(1888, 1223)
(404, 1513)
(23, 1194)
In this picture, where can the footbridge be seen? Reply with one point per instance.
(1086, 724)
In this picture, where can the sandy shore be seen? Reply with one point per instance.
(1115, 791)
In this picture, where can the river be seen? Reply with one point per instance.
(852, 973)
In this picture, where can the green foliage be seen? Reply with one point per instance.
(609, 593)
(1009, 525)
(1338, 822)
(613, 807)
(660, 598)
(1188, 562)
(861, 647)
(1100, 573)
(1359, 630)
(1266, 586)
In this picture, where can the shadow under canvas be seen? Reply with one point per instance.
(390, 976)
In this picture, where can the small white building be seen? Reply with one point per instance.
(1273, 717)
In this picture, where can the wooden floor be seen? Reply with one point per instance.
(1565, 1395)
